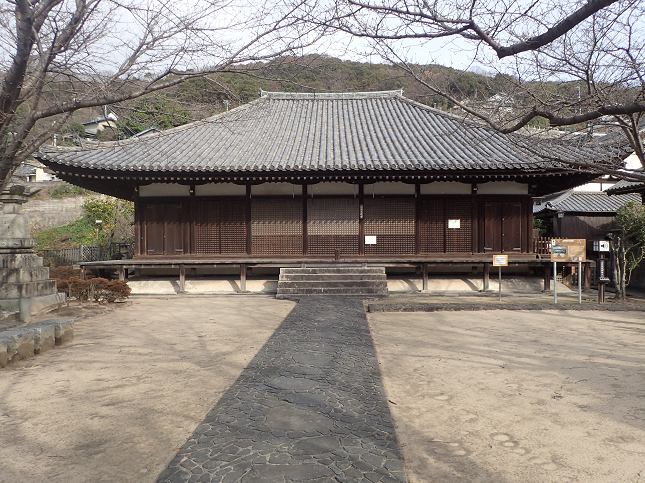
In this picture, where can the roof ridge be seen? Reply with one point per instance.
(331, 95)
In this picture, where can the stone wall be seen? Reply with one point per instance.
(51, 213)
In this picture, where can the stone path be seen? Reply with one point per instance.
(309, 407)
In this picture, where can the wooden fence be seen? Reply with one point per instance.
(86, 253)
(542, 245)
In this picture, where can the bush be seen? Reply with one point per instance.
(97, 289)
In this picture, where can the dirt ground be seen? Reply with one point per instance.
(516, 396)
(478, 397)
(115, 405)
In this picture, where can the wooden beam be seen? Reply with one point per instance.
(121, 273)
(587, 276)
(547, 277)
(486, 280)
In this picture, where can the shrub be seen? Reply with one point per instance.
(96, 289)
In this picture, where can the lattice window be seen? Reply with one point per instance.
(332, 224)
(207, 229)
(233, 227)
(392, 221)
(220, 227)
(276, 227)
(332, 216)
(459, 239)
(431, 226)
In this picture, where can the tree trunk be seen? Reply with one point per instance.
(619, 265)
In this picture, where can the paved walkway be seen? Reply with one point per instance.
(309, 407)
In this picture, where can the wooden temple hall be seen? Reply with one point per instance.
(372, 178)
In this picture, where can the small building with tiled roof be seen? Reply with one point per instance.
(623, 187)
(360, 175)
(580, 214)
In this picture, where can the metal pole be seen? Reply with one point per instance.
(555, 283)
(580, 282)
(500, 283)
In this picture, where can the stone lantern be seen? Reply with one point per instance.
(24, 281)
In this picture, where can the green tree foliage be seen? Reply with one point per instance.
(157, 111)
(78, 129)
(116, 216)
(117, 224)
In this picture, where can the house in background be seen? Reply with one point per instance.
(108, 121)
(624, 187)
(580, 214)
(34, 172)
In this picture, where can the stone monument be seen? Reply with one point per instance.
(24, 281)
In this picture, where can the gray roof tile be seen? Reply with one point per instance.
(623, 186)
(584, 202)
(316, 132)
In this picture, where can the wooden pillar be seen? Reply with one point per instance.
(249, 240)
(182, 278)
(587, 276)
(361, 220)
(121, 273)
(417, 218)
(242, 277)
(82, 275)
(486, 280)
(425, 276)
(305, 228)
(547, 277)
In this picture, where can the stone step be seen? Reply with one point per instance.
(332, 270)
(332, 276)
(332, 283)
(18, 275)
(332, 291)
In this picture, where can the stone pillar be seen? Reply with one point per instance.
(21, 270)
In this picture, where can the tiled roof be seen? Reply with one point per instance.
(624, 186)
(584, 202)
(319, 132)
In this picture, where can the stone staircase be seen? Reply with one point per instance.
(294, 282)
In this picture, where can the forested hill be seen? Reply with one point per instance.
(205, 96)
(328, 74)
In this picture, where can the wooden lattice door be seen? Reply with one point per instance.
(220, 227)
(332, 224)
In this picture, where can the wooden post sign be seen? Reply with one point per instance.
(569, 250)
(500, 261)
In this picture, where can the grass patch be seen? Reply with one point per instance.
(81, 232)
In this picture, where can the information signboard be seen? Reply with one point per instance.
(569, 250)
(500, 260)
